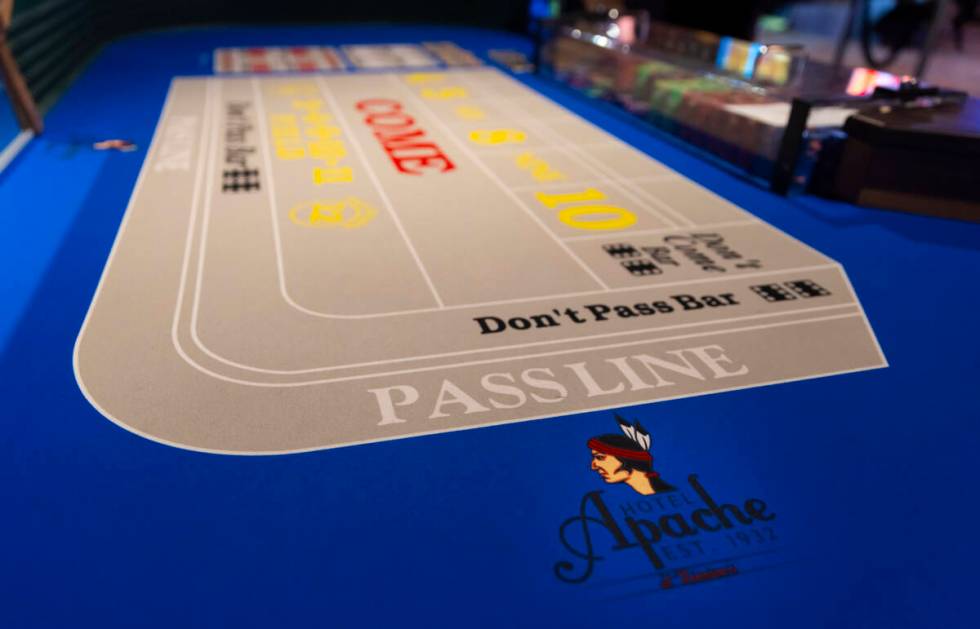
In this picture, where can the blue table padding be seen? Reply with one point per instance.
(872, 475)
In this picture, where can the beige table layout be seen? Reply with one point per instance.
(316, 261)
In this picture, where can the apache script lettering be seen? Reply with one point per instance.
(595, 523)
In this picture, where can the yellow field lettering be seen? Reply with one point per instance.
(290, 153)
(444, 93)
(286, 137)
(318, 119)
(540, 169)
(318, 138)
(470, 112)
(347, 213)
(307, 104)
(285, 120)
(342, 174)
(285, 132)
(491, 137)
(565, 198)
(579, 211)
(424, 78)
(297, 89)
(323, 132)
(330, 151)
(597, 217)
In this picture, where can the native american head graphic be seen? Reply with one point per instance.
(626, 459)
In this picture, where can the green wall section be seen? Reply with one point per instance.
(22, 5)
(8, 122)
(52, 39)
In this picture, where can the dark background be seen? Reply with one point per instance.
(52, 40)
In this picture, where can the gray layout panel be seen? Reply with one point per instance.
(168, 352)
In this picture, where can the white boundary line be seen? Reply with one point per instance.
(390, 361)
(665, 230)
(591, 164)
(613, 139)
(541, 298)
(646, 194)
(864, 315)
(598, 181)
(623, 183)
(210, 353)
(616, 140)
(128, 213)
(209, 146)
(209, 112)
(196, 203)
(224, 360)
(207, 351)
(426, 433)
(390, 207)
(274, 214)
(400, 372)
(140, 179)
(342, 120)
(494, 177)
(645, 200)
(10, 152)
(289, 300)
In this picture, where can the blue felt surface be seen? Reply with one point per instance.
(871, 475)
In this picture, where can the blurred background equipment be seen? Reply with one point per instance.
(766, 87)
(771, 111)
(53, 39)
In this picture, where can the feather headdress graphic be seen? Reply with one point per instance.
(626, 458)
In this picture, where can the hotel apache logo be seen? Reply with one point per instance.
(685, 534)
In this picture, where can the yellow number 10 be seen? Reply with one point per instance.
(581, 213)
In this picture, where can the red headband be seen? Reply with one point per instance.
(619, 453)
